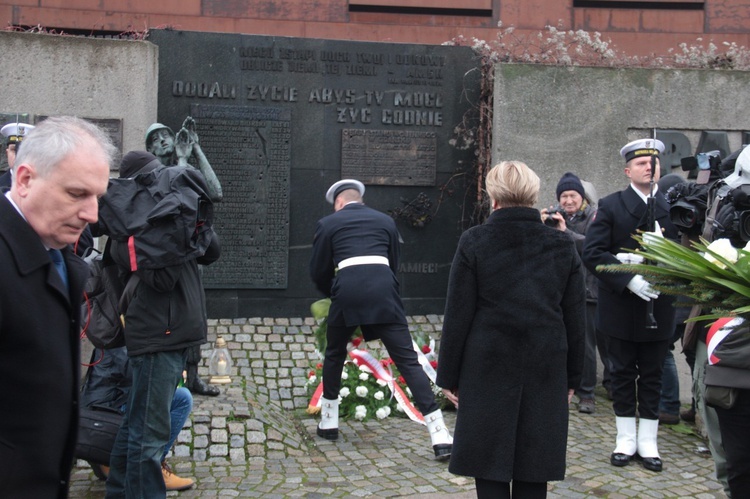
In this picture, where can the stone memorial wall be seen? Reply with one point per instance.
(281, 119)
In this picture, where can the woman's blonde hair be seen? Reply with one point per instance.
(512, 183)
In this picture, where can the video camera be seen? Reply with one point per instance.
(733, 219)
(703, 161)
(688, 202)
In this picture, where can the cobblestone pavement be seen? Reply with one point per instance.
(393, 458)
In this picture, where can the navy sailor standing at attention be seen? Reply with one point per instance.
(363, 244)
(636, 351)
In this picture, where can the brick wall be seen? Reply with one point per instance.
(635, 31)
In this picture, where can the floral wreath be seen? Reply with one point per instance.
(370, 387)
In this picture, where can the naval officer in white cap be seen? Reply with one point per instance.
(636, 351)
(14, 134)
(363, 244)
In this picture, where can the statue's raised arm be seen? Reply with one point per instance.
(173, 150)
(214, 186)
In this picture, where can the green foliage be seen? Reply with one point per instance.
(701, 274)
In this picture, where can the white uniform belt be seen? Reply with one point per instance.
(363, 260)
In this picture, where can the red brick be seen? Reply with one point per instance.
(292, 10)
(434, 4)
(194, 23)
(27, 3)
(180, 7)
(725, 16)
(625, 20)
(417, 20)
(670, 21)
(592, 19)
(536, 14)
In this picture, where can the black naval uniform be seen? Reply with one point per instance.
(364, 244)
(636, 352)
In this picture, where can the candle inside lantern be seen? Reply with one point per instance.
(221, 367)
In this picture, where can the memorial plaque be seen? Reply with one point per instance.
(281, 119)
(389, 157)
(251, 148)
(111, 126)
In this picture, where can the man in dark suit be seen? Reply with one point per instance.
(636, 348)
(59, 175)
(364, 245)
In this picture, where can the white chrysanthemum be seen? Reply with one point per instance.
(723, 248)
(399, 408)
(360, 412)
(365, 369)
(344, 374)
(312, 379)
(363, 376)
(361, 391)
(408, 391)
(381, 382)
(344, 392)
(387, 410)
(379, 395)
(381, 414)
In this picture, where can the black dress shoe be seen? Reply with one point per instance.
(619, 459)
(328, 434)
(650, 463)
(442, 451)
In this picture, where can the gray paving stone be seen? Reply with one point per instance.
(254, 440)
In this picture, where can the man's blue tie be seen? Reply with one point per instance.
(57, 259)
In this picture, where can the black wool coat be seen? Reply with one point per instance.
(39, 362)
(512, 344)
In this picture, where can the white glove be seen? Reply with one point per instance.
(629, 258)
(642, 288)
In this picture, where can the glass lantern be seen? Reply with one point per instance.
(220, 363)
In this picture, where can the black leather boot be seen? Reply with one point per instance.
(196, 385)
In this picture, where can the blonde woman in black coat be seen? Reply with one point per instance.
(512, 344)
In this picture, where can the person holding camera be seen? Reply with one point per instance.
(636, 346)
(573, 215)
(167, 313)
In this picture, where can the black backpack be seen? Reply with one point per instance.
(105, 301)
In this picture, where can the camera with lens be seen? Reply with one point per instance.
(703, 161)
(687, 209)
(551, 222)
(733, 218)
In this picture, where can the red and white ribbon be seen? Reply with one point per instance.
(317, 395)
(424, 362)
(716, 334)
(363, 357)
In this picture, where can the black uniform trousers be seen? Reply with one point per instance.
(397, 341)
(636, 369)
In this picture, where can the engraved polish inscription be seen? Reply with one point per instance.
(389, 157)
(250, 148)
